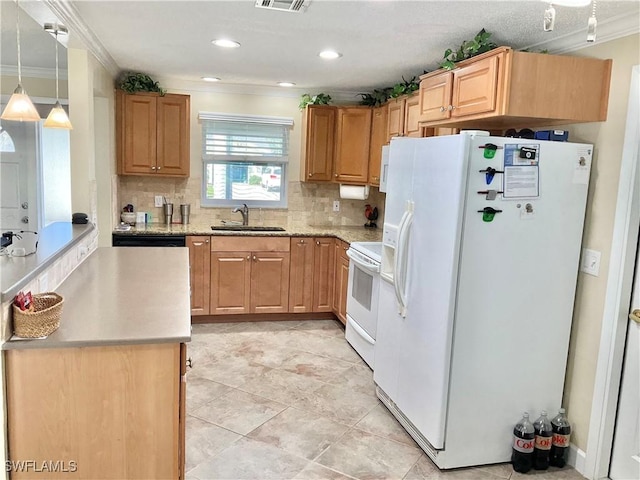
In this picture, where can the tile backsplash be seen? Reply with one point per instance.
(308, 203)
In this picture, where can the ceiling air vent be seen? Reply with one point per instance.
(284, 5)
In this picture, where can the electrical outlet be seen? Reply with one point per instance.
(158, 201)
(590, 263)
(336, 205)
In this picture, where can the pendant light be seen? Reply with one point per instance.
(57, 117)
(20, 107)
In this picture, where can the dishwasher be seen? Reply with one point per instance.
(120, 240)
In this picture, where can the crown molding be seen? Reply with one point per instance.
(32, 72)
(610, 29)
(70, 17)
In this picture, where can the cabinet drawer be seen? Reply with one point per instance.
(250, 244)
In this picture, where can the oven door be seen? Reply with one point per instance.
(363, 289)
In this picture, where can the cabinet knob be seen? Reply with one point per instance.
(310, 175)
(254, 258)
(206, 241)
(153, 168)
(159, 168)
(189, 363)
(335, 175)
(301, 241)
(442, 109)
(248, 257)
(376, 178)
(451, 107)
(317, 243)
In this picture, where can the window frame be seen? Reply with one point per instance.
(209, 159)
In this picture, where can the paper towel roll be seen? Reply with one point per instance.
(354, 192)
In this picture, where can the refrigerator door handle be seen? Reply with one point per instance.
(400, 274)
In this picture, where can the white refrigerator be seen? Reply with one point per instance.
(481, 250)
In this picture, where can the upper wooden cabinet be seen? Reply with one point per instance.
(152, 134)
(403, 117)
(318, 134)
(504, 88)
(353, 132)
(379, 138)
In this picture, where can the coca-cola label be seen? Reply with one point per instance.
(523, 445)
(560, 440)
(543, 443)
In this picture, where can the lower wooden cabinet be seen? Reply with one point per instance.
(341, 281)
(249, 275)
(115, 411)
(199, 273)
(311, 275)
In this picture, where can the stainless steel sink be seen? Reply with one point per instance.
(246, 228)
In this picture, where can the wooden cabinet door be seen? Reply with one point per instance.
(337, 253)
(230, 282)
(353, 133)
(435, 97)
(318, 135)
(379, 138)
(475, 88)
(139, 134)
(182, 412)
(342, 289)
(269, 282)
(412, 116)
(301, 277)
(173, 135)
(395, 118)
(323, 274)
(200, 273)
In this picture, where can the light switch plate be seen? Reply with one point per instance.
(590, 262)
(158, 201)
(336, 205)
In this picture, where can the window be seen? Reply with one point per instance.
(244, 160)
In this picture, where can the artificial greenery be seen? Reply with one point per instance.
(375, 98)
(406, 87)
(378, 97)
(139, 82)
(319, 99)
(468, 48)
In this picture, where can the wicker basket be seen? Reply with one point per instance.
(42, 320)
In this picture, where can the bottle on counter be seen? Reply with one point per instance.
(543, 438)
(560, 443)
(523, 445)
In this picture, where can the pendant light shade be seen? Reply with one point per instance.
(57, 116)
(20, 108)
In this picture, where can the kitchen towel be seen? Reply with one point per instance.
(354, 192)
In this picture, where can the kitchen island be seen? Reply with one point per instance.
(104, 395)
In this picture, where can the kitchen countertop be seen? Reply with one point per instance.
(346, 233)
(53, 241)
(122, 296)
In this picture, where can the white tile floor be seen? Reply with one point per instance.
(292, 400)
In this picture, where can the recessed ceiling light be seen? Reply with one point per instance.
(329, 54)
(286, 84)
(211, 79)
(226, 43)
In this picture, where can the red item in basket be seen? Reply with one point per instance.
(23, 301)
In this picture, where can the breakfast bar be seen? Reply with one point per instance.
(104, 395)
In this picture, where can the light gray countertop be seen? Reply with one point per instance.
(348, 234)
(53, 241)
(123, 296)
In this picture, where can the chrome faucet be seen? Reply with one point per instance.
(244, 211)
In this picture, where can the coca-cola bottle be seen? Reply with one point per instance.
(523, 442)
(560, 443)
(542, 447)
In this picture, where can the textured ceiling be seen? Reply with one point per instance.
(381, 41)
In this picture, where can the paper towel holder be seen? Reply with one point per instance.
(354, 192)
